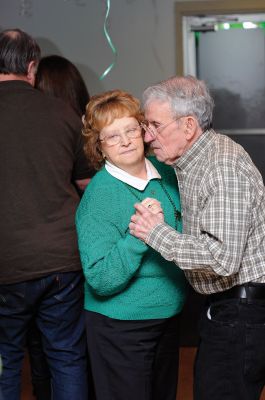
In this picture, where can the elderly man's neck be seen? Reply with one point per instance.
(13, 77)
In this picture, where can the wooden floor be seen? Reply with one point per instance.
(187, 355)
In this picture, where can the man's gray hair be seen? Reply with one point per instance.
(186, 95)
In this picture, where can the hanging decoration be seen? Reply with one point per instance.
(106, 72)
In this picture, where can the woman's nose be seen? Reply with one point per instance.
(125, 140)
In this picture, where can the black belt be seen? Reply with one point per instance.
(248, 291)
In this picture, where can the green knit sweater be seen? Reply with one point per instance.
(125, 279)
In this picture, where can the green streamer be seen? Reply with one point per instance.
(105, 73)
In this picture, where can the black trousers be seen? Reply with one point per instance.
(230, 362)
(133, 360)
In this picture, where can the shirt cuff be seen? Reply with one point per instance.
(158, 234)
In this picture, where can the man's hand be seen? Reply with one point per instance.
(144, 220)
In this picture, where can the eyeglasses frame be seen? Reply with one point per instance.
(120, 137)
(156, 131)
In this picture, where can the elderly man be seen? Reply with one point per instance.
(222, 247)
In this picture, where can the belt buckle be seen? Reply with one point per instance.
(243, 292)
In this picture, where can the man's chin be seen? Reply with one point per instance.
(158, 154)
(160, 157)
(164, 159)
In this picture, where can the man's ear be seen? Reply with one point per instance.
(192, 129)
(191, 126)
(31, 75)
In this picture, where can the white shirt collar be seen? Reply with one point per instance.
(133, 181)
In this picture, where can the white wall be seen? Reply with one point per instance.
(142, 31)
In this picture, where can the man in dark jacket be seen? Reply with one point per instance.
(41, 157)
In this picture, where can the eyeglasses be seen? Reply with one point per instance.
(116, 137)
(154, 130)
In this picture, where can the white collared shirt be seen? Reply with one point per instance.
(131, 180)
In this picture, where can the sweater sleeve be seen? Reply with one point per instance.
(110, 256)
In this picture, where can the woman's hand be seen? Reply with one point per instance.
(153, 205)
(144, 220)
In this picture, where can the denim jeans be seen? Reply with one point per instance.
(56, 304)
(1, 397)
(40, 371)
(230, 362)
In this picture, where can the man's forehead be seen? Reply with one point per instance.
(157, 107)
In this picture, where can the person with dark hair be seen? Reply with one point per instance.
(41, 155)
(19, 55)
(59, 77)
(132, 296)
(222, 247)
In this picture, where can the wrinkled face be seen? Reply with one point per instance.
(122, 143)
(165, 134)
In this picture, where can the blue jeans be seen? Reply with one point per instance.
(56, 304)
(230, 362)
(40, 371)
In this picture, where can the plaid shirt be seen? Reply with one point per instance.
(223, 211)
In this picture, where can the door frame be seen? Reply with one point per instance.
(194, 8)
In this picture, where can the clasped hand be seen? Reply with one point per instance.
(149, 213)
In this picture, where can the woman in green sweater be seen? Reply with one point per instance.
(133, 296)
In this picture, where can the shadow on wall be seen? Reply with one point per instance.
(93, 83)
(233, 111)
(91, 79)
(229, 110)
(48, 47)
